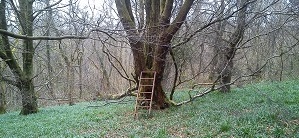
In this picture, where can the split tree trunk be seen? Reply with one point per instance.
(227, 52)
(151, 45)
(48, 50)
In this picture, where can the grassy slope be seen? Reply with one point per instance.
(261, 110)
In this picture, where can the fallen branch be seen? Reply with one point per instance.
(122, 101)
(128, 92)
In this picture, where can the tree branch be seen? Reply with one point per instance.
(46, 8)
(211, 22)
(3, 56)
(178, 21)
(125, 76)
(17, 36)
(9, 81)
(175, 74)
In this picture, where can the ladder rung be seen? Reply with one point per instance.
(146, 85)
(148, 71)
(144, 99)
(147, 78)
(145, 92)
(141, 101)
(143, 106)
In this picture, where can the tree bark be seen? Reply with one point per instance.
(29, 99)
(2, 98)
(71, 79)
(23, 76)
(2, 92)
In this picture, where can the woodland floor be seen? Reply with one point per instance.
(267, 109)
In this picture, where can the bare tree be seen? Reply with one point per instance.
(22, 70)
(49, 22)
(227, 52)
(219, 31)
(151, 47)
(23, 74)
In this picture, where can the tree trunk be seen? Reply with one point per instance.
(159, 66)
(225, 71)
(23, 77)
(227, 52)
(2, 98)
(2, 94)
(29, 99)
(220, 27)
(48, 52)
(70, 82)
(80, 78)
(71, 88)
(150, 48)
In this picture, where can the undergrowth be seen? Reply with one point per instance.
(268, 109)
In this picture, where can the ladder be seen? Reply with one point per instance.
(146, 87)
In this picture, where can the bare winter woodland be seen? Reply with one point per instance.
(55, 51)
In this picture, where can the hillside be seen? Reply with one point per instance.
(258, 110)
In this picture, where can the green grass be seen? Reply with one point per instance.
(260, 110)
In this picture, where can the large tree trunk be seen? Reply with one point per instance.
(23, 77)
(159, 66)
(29, 99)
(151, 47)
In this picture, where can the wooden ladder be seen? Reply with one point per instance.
(146, 87)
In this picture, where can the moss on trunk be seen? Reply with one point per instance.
(29, 99)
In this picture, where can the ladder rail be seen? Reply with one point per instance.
(152, 94)
(140, 86)
(137, 97)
